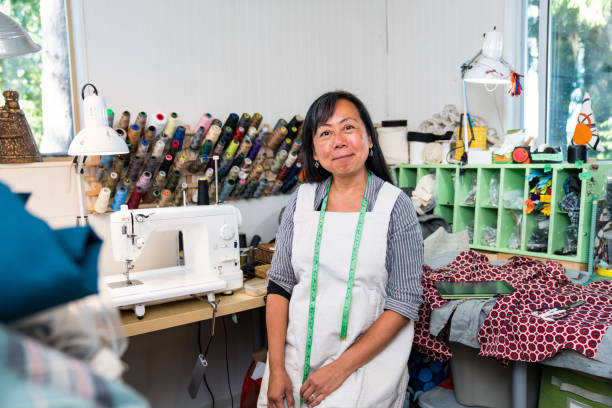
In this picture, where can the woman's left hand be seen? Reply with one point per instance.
(322, 382)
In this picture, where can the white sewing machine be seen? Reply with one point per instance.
(210, 251)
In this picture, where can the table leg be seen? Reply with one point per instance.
(519, 384)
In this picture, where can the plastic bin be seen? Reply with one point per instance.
(256, 287)
(484, 382)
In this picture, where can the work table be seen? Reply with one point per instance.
(172, 314)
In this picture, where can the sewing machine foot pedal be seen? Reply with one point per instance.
(139, 310)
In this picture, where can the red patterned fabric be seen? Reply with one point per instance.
(509, 331)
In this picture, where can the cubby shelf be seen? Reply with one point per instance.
(454, 184)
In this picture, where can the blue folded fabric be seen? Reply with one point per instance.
(42, 267)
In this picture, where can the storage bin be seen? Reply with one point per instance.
(566, 388)
(484, 382)
(479, 141)
(256, 287)
(416, 144)
(392, 140)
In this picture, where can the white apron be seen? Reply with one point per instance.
(381, 382)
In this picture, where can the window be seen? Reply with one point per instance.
(569, 52)
(42, 79)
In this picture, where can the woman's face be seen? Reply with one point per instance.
(342, 143)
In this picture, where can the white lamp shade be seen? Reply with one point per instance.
(488, 66)
(96, 137)
(14, 40)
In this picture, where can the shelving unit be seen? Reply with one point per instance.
(454, 184)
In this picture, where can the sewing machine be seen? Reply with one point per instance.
(210, 251)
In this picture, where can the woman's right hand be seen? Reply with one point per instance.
(279, 388)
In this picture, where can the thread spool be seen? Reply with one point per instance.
(173, 180)
(111, 181)
(158, 148)
(203, 192)
(102, 201)
(279, 123)
(247, 165)
(227, 161)
(213, 133)
(143, 147)
(256, 173)
(283, 173)
(179, 135)
(276, 188)
(196, 139)
(127, 183)
(226, 136)
(244, 121)
(119, 198)
(292, 132)
(212, 192)
(276, 138)
(238, 159)
(295, 170)
(178, 196)
(165, 166)
(110, 115)
(121, 133)
(278, 161)
(206, 148)
(135, 198)
(164, 198)
(159, 181)
(254, 150)
(289, 184)
(208, 175)
(238, 134)
(285, 144)
(179, 163)
(124, 121)
(264, 133)
(141, 121)
(135, 167)
(158, 121)
(245, 145)
(198, 164)
(118, 163)
(174, 147)
(233, 173)
(205, 121)
(261, 188)
(222, 171)
(256, 120)
(295, 121)
(296, 146)
(231, 121)
(151, 196)
(291, 159)
(134, 134)
(149, 135)
(106, 161)
(240, 187)
(144, 180)
(227, 188)
(151, 164)
(250, 188)
(170, 126)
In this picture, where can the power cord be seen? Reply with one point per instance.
(212, 332)
(229, 385)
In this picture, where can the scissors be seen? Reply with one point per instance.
(555, 313)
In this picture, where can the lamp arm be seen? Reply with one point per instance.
(79, 174)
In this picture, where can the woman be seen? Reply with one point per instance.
(345, 281)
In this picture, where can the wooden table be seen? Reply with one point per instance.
(172, 314)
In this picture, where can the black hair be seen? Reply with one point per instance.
(321, 110)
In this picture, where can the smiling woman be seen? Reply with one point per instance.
(347, 233)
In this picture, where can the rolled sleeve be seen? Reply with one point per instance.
(281, 271)
(404, 260)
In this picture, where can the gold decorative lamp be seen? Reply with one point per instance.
(17, 143)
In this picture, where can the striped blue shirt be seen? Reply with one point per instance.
(404, 258)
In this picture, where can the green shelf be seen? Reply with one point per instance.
(454, 184)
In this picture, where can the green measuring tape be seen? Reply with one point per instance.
(315, 272)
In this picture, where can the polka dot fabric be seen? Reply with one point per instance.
(509, 331)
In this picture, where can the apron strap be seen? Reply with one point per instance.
(305, 198)
(387, 196)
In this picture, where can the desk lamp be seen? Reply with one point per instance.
(488, 68)
(17, 143)
(96, 138)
